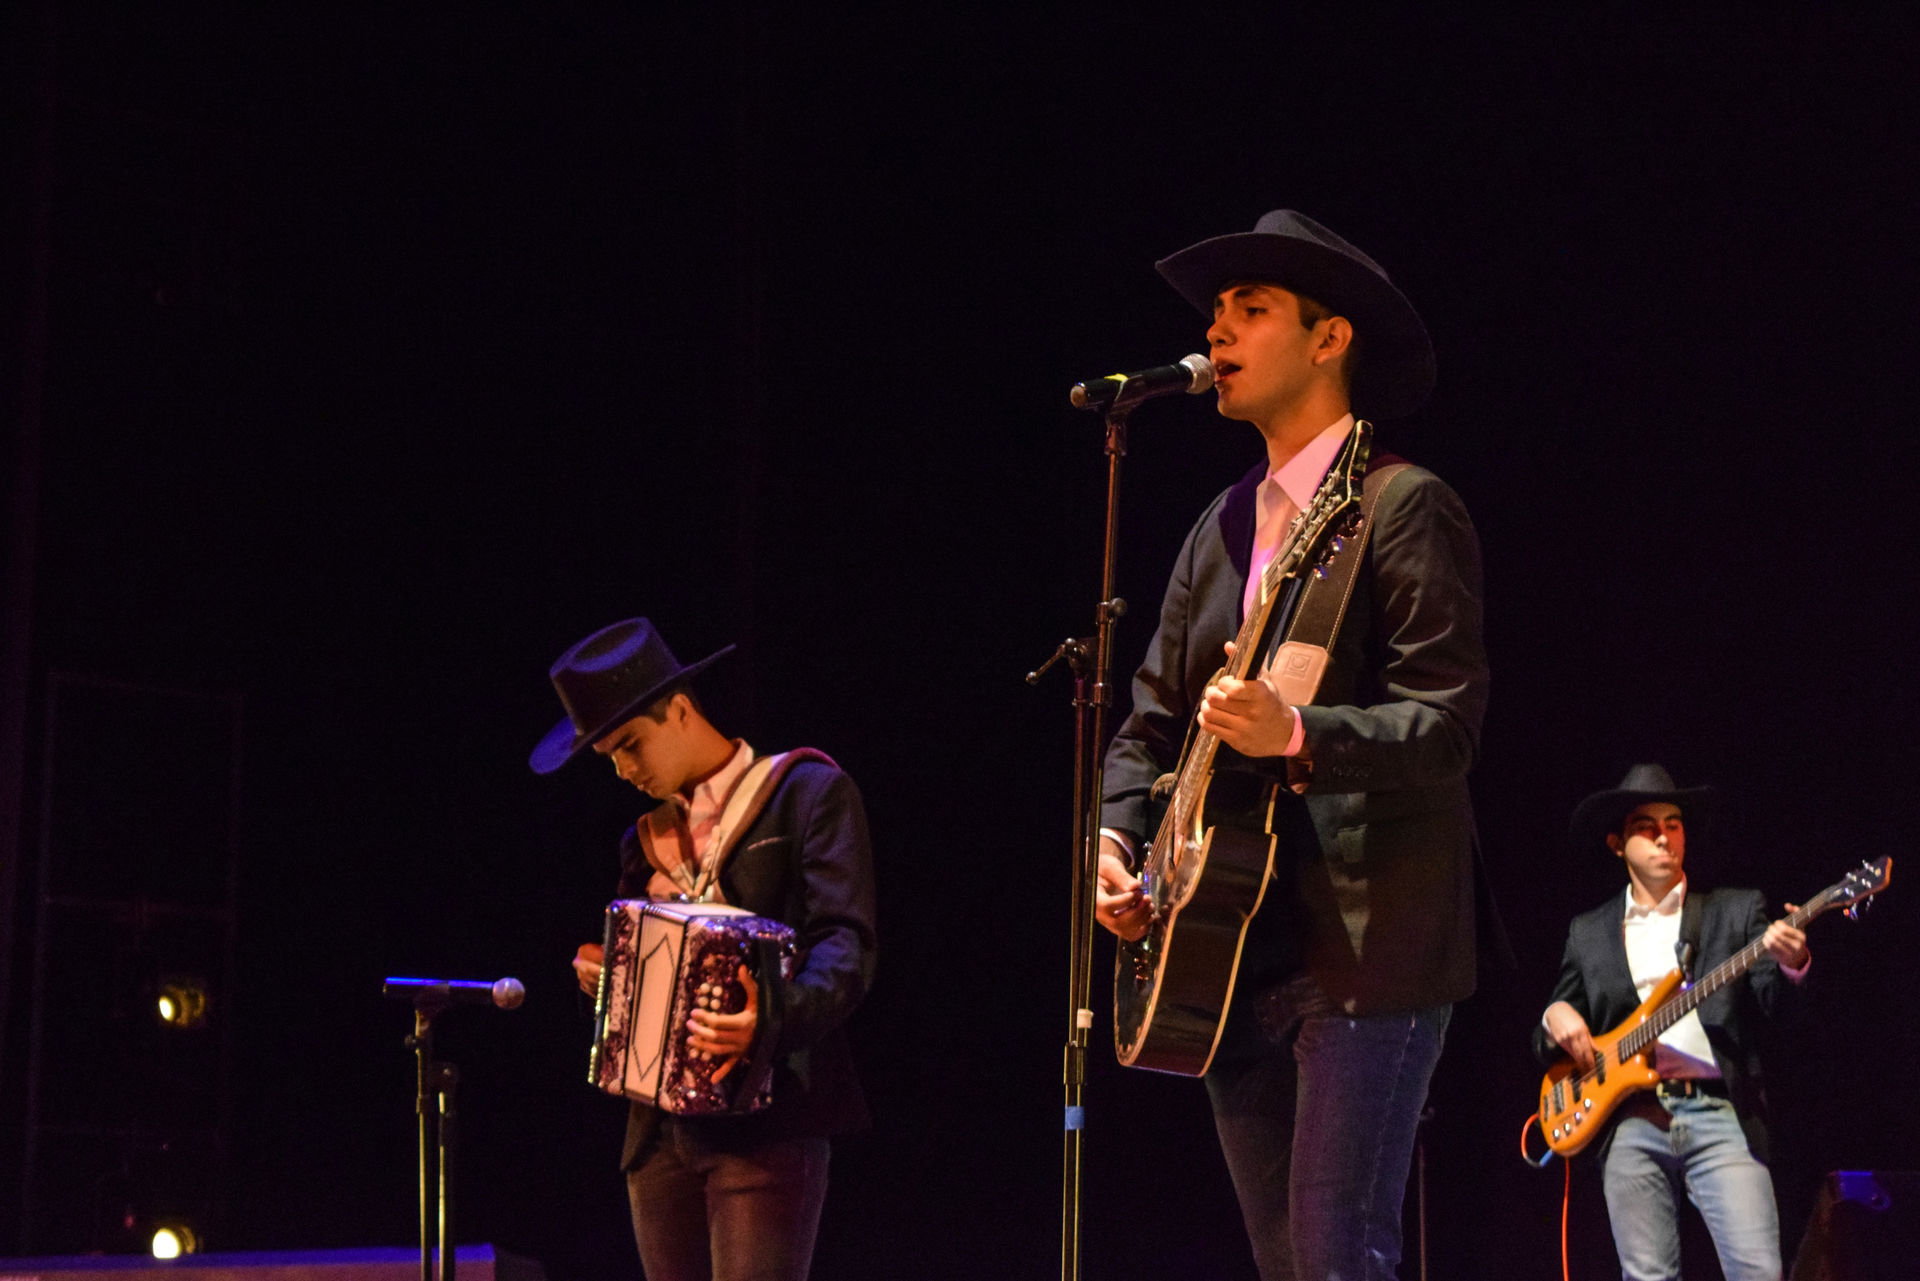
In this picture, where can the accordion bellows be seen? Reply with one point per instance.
(663, 961)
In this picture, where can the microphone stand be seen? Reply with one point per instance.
(1091, 661)
(433, 1100)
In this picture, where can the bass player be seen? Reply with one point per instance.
(1364, 938)
(1701, 1129)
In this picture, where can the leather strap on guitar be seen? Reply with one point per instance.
(1300, 661)
(1686, 948)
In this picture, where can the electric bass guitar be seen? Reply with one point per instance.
(1575, 1104)
(1203, 880)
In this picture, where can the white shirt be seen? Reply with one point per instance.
(1651, 935)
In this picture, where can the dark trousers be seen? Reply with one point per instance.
(701, 1211)
(1317, 1112)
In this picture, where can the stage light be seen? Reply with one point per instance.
(173, 1239)
(182, 1003)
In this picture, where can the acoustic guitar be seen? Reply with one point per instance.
(1203, 880)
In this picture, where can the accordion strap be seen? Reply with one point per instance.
(742, 809)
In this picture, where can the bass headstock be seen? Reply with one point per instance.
(1856, 889)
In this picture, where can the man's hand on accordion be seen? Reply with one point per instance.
(727, 1036)
(586, 966)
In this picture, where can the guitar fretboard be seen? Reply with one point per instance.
(1683, 1002)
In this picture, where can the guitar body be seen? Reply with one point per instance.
(1574, 1106)
(1173, 986)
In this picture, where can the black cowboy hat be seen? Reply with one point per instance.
(1601, 813)
(1395, 371)
(607, 679)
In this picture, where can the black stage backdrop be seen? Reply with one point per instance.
(387, 355)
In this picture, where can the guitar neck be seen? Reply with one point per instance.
(1683, 1002)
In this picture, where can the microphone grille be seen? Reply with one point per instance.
(1202, 371)
(508, 993)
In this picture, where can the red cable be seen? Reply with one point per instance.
(1566, 1196)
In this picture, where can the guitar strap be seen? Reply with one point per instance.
(1687, 949)
(1300, 661)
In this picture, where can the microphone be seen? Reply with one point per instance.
(506, 993)
(1193, 375)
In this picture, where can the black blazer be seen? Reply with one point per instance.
(806, 862)
(1594, 980)
(1375, 865)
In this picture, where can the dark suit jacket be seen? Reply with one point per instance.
(805, 862)
(1375, 863)
(1594, 980)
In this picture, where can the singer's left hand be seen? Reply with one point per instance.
(1247, 715)
(727, 1035)
(1785, 944)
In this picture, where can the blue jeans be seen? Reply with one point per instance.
(1316, 1112)
(704, 1211)
(1662, 1147)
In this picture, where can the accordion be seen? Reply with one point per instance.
(664, 960)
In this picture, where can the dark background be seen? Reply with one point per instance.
(359, 364)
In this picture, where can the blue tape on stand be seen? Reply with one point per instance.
(1076, 1118)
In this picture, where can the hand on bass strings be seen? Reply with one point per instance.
(1247, 715)
(727, 1036)
(1569, 1031)
(1787, 945)
(586, 967)
(1118, 903)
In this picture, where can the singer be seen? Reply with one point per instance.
(733, 1196)
(1364, 938)
(1703, 1127)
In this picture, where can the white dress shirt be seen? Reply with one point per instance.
(1651, 935)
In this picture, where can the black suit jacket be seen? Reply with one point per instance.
(807, 863)
(1375, 865)
(1594, 980)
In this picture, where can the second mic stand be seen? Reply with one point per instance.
(433, 1100)
(1091, 661)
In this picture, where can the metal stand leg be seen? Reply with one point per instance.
(433, 1101)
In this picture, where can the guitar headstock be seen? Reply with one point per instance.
(1857, 887)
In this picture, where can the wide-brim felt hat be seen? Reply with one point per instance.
(607, 679)
(1395, 370)
(1602, 812)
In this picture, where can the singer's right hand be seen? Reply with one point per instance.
(1569, 1032)
(1118, 903)
(586, 965)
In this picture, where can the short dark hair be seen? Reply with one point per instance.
(656, 711)
(1312, 312)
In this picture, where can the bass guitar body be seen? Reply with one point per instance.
(1575, 1105)
(1173, 986)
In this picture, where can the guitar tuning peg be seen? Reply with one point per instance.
(1856, 909)
(1337, 544)
(1319, 571)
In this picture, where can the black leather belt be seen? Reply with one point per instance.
(1687, 1089)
